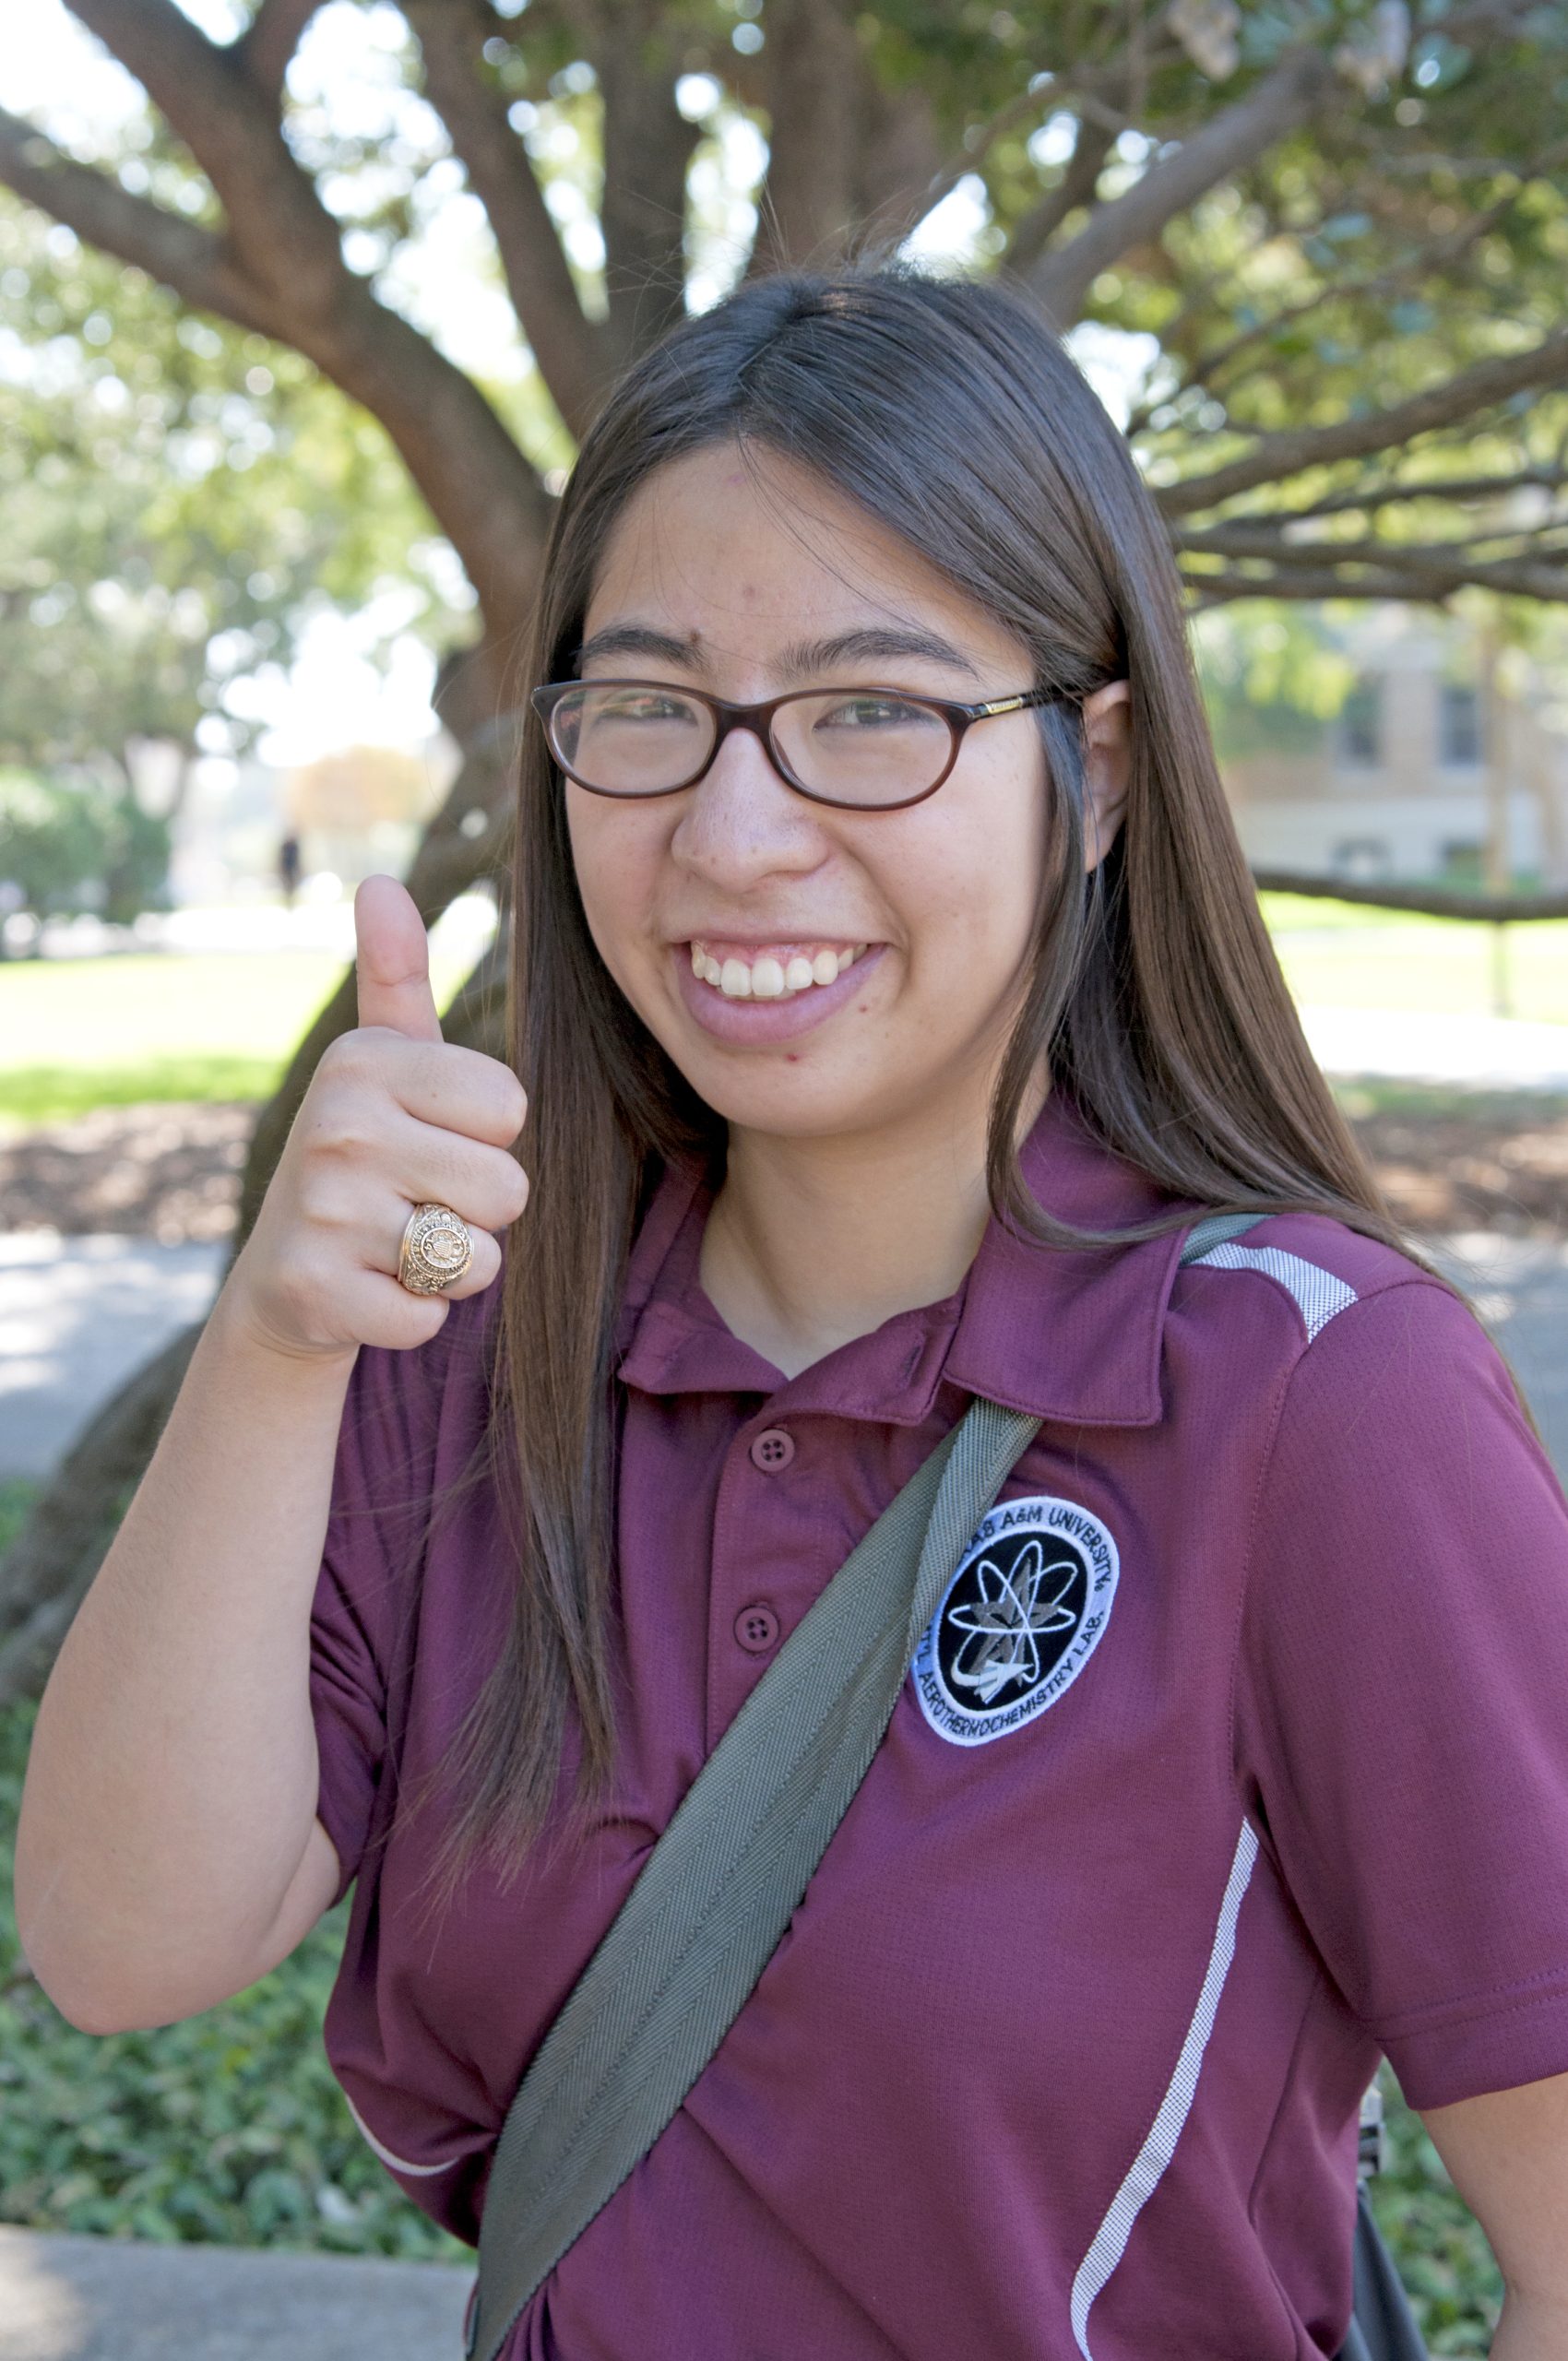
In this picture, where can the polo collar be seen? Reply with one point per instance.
(1065, 1336)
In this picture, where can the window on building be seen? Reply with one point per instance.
(1461, 857)
(1360, 723)
(1459, 726)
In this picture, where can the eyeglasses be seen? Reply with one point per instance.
(859, 748)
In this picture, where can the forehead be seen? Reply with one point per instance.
(739, 550)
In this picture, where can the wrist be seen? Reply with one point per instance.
(240, 1328)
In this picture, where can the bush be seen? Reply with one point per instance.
(72, 845)
(227, 2128)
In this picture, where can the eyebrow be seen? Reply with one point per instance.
(799, 661)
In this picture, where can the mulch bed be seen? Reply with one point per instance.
(1452, 1162)
(1447, 1160)
(170, 1171)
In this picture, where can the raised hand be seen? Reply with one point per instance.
(394, 1116)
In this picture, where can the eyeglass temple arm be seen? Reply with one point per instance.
(1015, 704)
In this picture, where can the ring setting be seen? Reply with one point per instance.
(437, 1249)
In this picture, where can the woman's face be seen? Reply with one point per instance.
(923, 918)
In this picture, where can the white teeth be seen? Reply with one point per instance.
(768, 978)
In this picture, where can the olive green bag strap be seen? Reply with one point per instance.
(687, 1946)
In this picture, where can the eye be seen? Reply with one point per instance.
(861, 710)
(639, 706)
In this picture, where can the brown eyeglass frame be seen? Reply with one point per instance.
(758, 719)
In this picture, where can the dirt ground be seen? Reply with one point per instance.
(165, 1171)
(1448, 1160)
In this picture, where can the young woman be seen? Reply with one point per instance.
(892, 1001)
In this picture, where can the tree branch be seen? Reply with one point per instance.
(1436, 254)
(1433, 488)
(264, 50)
(897, 160)
(287, 240)
(1249, 538)
(1274, 455)
(648, 146)
(1076, 186)
(572, 351)
(1428, 586)
(813, 80)
(1297, 89)
(199, 266)
(288, 277)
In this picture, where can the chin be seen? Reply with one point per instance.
(788, 1102)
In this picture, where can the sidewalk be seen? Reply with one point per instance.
(107, 2299)
(1413, 1045)
(78, 1315)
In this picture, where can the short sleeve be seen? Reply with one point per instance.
(383, 1480)
(1402, 1692)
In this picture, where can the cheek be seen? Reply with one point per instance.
(615, 860)
(982, 880)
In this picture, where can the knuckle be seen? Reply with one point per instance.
(518, 1186)
(503, 1103)
(320, 1195)
(350, 1057)
(348, 1125)
(514, 1106)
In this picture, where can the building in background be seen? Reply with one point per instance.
(1446, 761)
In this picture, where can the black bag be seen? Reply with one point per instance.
(1383, 2327)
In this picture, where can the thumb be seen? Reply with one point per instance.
(392, 961)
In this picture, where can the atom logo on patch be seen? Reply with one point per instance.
(1022, 1616)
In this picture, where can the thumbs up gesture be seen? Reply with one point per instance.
(394, 1116)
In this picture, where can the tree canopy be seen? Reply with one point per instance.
(1329, 235)
(176, 494)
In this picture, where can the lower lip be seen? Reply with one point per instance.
(760, 1022)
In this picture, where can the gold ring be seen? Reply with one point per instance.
(437, 1248)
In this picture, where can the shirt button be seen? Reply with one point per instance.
(756, 1628)
(772, 1450)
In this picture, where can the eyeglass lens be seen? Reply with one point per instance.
(862, 746)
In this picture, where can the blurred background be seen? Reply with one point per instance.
(302, 308)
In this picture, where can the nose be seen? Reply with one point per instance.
(742, 822)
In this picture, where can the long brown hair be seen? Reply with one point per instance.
(958, 421)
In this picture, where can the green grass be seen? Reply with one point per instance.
(81, 1033)
(1340, 955)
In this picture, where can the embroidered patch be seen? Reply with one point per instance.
(1021, 1618)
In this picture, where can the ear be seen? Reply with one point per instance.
(1108, 729)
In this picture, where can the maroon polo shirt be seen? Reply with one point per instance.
(1237, 1753)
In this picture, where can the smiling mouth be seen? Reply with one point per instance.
(780, 974)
